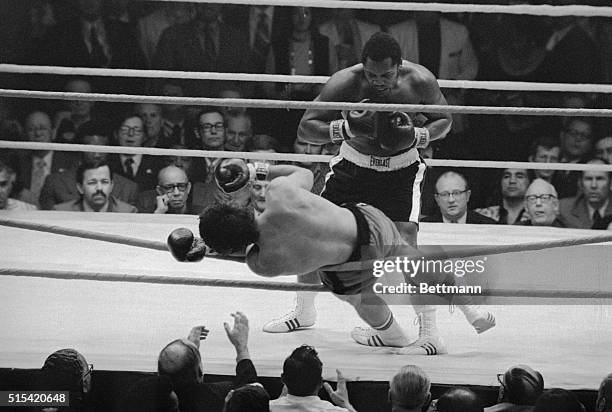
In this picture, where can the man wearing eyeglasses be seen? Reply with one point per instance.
(542, 205)
(576, 141)
(452, 196)
(171, 196)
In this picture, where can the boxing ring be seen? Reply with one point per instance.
(121, 325)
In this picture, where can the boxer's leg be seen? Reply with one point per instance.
(304, 313)
(384, 329)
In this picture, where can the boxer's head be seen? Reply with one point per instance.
(381, 59)
(228, 228)
(541, 203)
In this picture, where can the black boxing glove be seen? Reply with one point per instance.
(185, 247)
(232, 175)
(395, 131)
(355, 123)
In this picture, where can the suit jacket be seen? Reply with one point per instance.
(458, 60)
(328, 29)
(556, 223)
(146, 202)
(146, 176)
(206, 396)
(179, 48)
(603, 223)
(61, 161)
(576, 214)
(61, 187)
(115, 206)
(472, 218)
(320, 53)
(65, 46)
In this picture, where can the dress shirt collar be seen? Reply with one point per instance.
(462, 219)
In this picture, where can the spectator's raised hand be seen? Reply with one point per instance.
(197, 334)
(239, 334)
(340, 396)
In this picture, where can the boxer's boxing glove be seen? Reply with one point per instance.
(395, 131)
(185, 247)
(231, 175)
(355, 123)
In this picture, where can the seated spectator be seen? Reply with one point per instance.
(239, 132)
(80, 110)
(151, 394)
(542, 205)
(36, 165)
(232, 92)
(511, 210)
(95, 184)
(459, 400)
(604, 395)
(603, 148)
(302, 379)
(576, 141)
(558, 400)
(188, 164)
(586, 210)
(180, 360)
(251, 397)
(61, 186)
(7, 182)
(155, 134)
(68, 370)
(263, 143)
(139, 168)
(545, 149)
(409, 390)
(171, 196)
(258, 189)
(519, 389)
(452, 196)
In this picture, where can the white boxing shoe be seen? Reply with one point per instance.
(484, 323)
(298, 318)
(427, 346)
(373, 337)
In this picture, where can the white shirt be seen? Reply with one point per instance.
(100, 34)
(18, 205)
(48, 159)
(303, 404)
(254, 13)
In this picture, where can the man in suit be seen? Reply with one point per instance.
(452, 196)
(61, 186)
(95, 184)
(90, 40)
(141, 169)
(36, 165)
(586, 210)
(171, 196)
(203, 44)
(542, 205)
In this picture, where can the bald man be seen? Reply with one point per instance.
(173, 188)
(542, 205)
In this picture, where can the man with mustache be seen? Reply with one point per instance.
(95, 183)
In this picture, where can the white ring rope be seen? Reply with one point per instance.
(535, 10)
(301, 105)
(285, 78)
(289, 157)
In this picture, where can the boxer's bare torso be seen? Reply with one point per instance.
(414, 85)
(300, 232)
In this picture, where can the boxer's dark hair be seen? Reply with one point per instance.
(381, 46)
(228, 228)
(302, 371)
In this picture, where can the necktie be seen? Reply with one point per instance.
(261, 46)
(98, 58)
(129, 168)
(176, 135)
(38, 177)
(596, 218)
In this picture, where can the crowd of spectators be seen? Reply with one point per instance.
(303, 41)
(180, 384)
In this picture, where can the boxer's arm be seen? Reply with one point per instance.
(438, 124)
(297, 176)
(314, 126)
